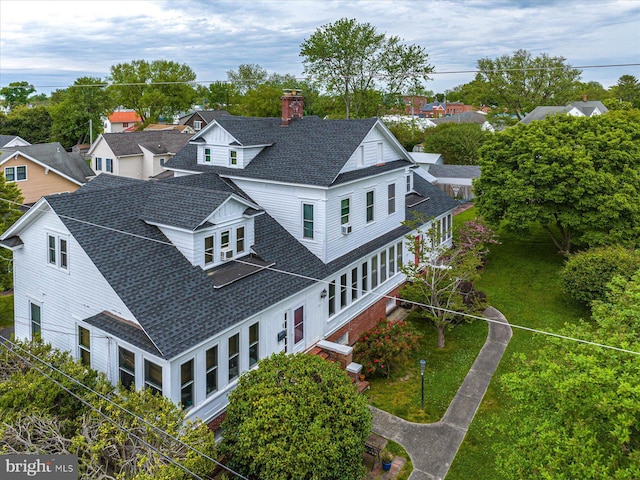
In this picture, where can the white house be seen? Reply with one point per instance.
(139, 155)
(274, 235)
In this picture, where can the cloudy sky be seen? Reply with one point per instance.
(51, 43)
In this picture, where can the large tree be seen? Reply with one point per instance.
(577, 177)
(160, 88)
(72, 109)
(520, 82)
(627, 89)
(32, 124)
(574, 409)
(296, 416)
(349, 59)
(459, 143)
(17, 93)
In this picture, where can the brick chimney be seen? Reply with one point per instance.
(292, 105)
(584, 98)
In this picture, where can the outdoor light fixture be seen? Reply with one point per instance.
(423, 365)
(323, 294)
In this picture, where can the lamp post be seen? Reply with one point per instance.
(423, 364)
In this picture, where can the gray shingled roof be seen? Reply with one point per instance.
(174, 301)
(540, 113)
(455, 171)
(589, 106)
(466, 117)
(206, 115)
(158, 142)
(4, 139)
(56, 157)
(105, 180)
(309, 151)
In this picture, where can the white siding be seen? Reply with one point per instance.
(376, 148)
(103, 151)
(130, 166)
(80, 292)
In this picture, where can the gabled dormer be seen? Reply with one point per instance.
(208, 227)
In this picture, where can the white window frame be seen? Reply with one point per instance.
(32, 321)
(254, 344)
(209, 252)
(306, 221)
(207, 155)
(188, 384)
(370, 207)
(235, 356)
(242, 239)
(197, 125)
(84, 348)
(345, 218)
(233, 158)
(391, 198)
(15, 174)
(214, 368)
(148, 383)
(58, 253)
(123, 369)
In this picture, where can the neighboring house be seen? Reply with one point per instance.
(454, 180)
(140, 155)
(456, 108)
(12, 141)
(121, 121)
(582, 108)
(163, 127)
(275, 235)
(201, 118)
(44, 169)
(467, 117)
(434, 109)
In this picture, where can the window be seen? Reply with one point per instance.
(360, 157)
(186, 384)
(307, 220)
(109, 165)
(239, 239)
(125, 125)
(224, 239)
(207, 155)
(13, 174)
(233, 157)
(354, 283)
(383, 266)
(127, 367)
(58, 251)
(391, 198)
(36, 318)
(408, 183)
(344, 211)
(370, 206)
(392, 261)
(365, 271)
(84, 344)
(380, 150)
(254, 344)
(399, 255)
(332, 297)
(343, 290)
(99, 163)
(298, 324)
(208, 250)
(197, 125)
(234, 354)
(153, 377)
(374, 272)
(212, 370)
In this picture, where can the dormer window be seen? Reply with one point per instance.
(197, 125)
(240, 239)
(208, 250)
(207, 155)
(409, 183)
(233, 158)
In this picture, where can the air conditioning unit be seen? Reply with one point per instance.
(226, 254)
(346, 228)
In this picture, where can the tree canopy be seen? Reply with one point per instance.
(155, 89)
(349, 59)
(520, 82)
(577, 177)
(296, 416)
(575, 408)
(17, 93)
(459, 143)
(32, 124)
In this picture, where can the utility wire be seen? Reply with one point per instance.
(107, 399)
(327, 282)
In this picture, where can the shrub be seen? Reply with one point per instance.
(585, 275)
(475, 236)
(384, 345)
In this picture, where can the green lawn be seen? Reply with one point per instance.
(521, 280)
(6, 311)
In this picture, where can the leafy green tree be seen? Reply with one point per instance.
(296, 416)
(248, 76)
(586, 274)
(347, 58)
(439, 278)
(17, 93)
(574, 408)
(521, 82)
(32, 124)
(407, 133)
(627, 89)
(9, 213)
(459, 143)
(221, 95)
(577, 177)
(476, 92)
(590, 90)
(161, 88)
(72, 108)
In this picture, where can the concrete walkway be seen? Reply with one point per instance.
(433, 446)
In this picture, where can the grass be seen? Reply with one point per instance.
(521, 280)
(446, 369)
(6, 311)
(397, 451)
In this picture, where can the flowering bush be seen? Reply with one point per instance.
(385, 344)
(475, 236)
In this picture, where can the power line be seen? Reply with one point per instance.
(327, 282)
(107, 399)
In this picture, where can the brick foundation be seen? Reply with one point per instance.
(366, 320)
(216, 422)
